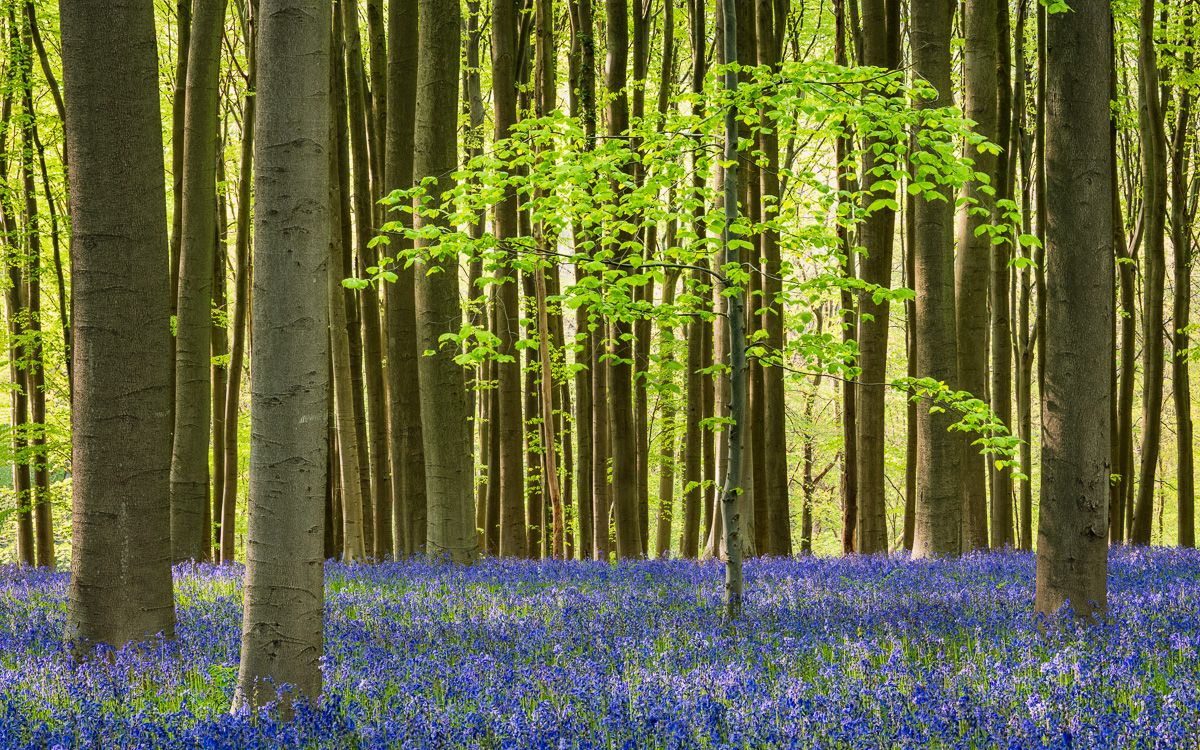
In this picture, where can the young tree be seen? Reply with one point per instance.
(120, 554)
(190, 540)
(445, 416)
(284, 594)
(1073, 522)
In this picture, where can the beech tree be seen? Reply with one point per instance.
(284, 590)
(120, 587)
(1072, 548)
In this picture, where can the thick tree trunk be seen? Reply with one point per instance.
(444, 414)
(938, 514)
(120, 587)
(881, 20)
(193, 322)
(285, 586)
(1072, 523)
(183, 41)
(1154, 191)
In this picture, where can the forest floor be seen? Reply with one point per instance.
(858, 652)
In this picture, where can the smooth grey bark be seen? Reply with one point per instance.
(120, 588)
(284, 591)
(193, 322)
(731, 486)
(938, 509)
(1072, 549)
(445, 415)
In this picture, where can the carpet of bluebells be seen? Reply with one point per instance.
(832, 653)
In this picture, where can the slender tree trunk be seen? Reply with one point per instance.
(1000, 281)
(35, 376)
(620, 368)
(1181, 241)
(938, 516)
(971, 263)
(881, 33)
(407, 445)
(666, 452)
(1072, 535)
(1154, 190)
(193, 323)
(219, 373)
(737, 337)
(513, 538)
(120, 588)
(354, 543)
(444, 413)
(183, 42)
(693, 441)
(241, 299)
(910, 341)
(849, 481)
(774, 492)
(377, 511)
(285, 586)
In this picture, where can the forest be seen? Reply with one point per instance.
(554, 373)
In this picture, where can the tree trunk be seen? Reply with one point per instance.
(1072, 524)
(193, 323)
(241, 299)
(219, 373)
(444, 414)
(183, 41)
(849, 481)
(120, 588)
(1154, 190)
(938, 514)
(377, 511)
(285, 586)
(1000, 281)
(737, 337)
(407, 445)
(620, 367)
(774, 492)
(666, 453)
(881, 20)
(1181, 241)
(971, 263)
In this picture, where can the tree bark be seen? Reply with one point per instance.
(120, 588)
(445, 415)
(241, 299)
(971, 267)
(377, 511)
(1072, 523)
(620, 368)
(1154, 191)
(881, 19)
(1181, 241)
(285, 586)
(193, 322)
(407, 443)
(938, 515)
